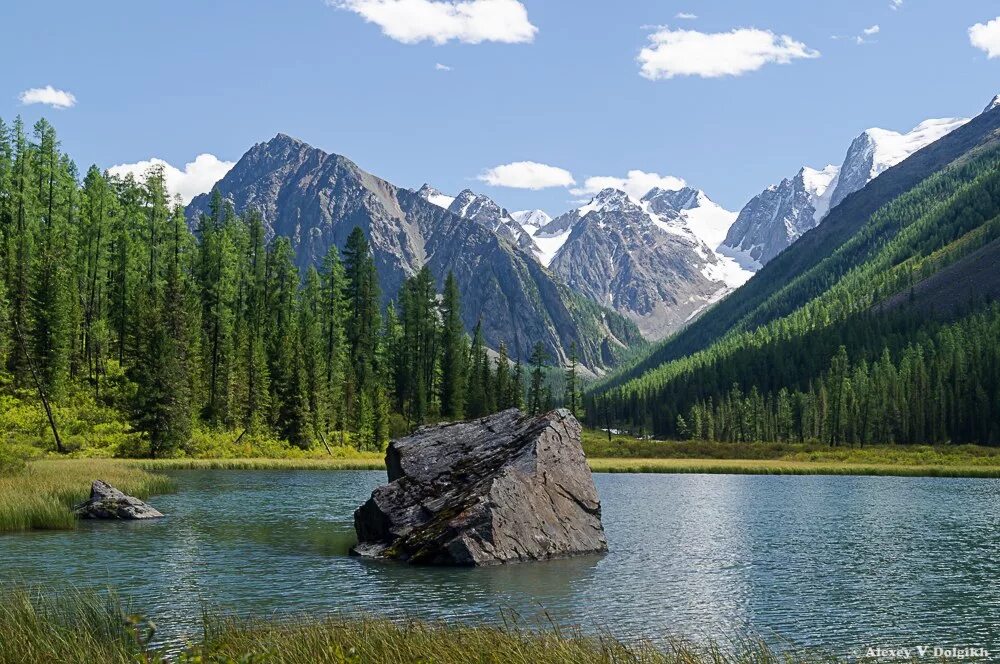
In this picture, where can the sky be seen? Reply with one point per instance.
(536, 103)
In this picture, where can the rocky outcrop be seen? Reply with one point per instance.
(107, 502)
(505, 488)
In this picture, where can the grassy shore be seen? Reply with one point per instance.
(81, 628)
(42, 495)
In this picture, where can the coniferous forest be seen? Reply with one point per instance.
(110, 302)
(891, 338)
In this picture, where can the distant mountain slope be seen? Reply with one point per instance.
(619, 255)
(824, 255)
(782, 213)
(316, 199)
(653, 259)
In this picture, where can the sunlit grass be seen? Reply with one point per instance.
(84, 627)
(782, 467)
(42, 495)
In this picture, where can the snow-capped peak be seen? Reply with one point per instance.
(531, 220)
(993, 104)
(607, 200)
(432, 195)
(891, 147)
(820, 185)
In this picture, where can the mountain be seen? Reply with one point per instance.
(877, 150)
(531, 220)
(779, 215)
(316, 199)
(485, 211)
(432, 195)
(839, 337)
(782, 213)
(645, 259)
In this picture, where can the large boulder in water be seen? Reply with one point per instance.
(107, 502)
(504, 488)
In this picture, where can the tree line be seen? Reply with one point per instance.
(105, 289)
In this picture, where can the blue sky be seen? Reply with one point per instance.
(557, 82)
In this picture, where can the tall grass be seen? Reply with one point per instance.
(68, 627)
(42, 495)
(84, 627)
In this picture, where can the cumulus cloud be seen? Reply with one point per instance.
(49, 96)
(198, 176)
(673, 53)
(874, 30)
(895, 4)
(438, 21)
(986, 37)
(686, 16)
(636, 183)
(441, 67)
(528, 175)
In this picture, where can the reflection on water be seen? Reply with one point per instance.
(831, 562)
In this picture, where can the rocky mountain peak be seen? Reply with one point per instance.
(662, 201)
(432, 195)
(993, 104)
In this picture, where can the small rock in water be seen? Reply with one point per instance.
(505, 488)
(107, 502)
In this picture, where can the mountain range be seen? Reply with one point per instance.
(603, 275)
(316, 199)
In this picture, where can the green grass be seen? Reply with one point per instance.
(76, 627)
(365, 461)
(41, 496)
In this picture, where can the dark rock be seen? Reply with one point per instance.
(107, 502)
(505, 488)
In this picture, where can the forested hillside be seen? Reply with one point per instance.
(135, 332)
(834, 340)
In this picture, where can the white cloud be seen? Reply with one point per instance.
(48, 96)
(469, 21)
(986, 37)
(895, 4)
(686, 16)
(441, 67)
(528, 175)
(636, 184)
(874, 30)
(691, 53)
(198, 176)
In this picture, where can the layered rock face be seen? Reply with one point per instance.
(505, 488)
(107, 502)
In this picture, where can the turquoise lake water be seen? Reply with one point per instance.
(834, 563)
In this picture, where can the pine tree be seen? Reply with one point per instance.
(454, 350)
(334, 319)
(572, 396)
(536, 392)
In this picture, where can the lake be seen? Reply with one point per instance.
(835, 563)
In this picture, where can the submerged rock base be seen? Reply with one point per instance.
(505, 488)
(107, 502)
